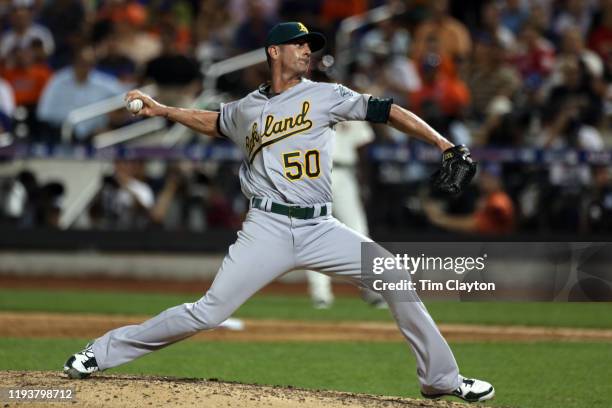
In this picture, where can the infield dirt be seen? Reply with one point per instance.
(58, 325)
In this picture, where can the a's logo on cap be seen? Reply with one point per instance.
(302, 28)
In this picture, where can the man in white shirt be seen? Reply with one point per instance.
(23, 31)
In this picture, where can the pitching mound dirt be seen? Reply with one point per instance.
(135, 392)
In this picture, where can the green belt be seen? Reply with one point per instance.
(303, 213)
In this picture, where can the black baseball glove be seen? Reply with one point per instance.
(457, 171)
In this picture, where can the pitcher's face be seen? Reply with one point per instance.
(295, 56)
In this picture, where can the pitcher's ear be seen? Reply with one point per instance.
(273, 51)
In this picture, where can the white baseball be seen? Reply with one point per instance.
(135, 105)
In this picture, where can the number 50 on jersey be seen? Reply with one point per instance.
(298, 164)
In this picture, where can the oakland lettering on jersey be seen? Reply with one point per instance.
(276, 130)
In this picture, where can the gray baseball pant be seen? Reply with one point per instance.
(268, 246)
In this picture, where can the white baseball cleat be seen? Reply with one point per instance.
(81, 364)
(470, 390)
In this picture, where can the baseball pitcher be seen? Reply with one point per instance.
(285, 130)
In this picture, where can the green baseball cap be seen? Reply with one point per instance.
(284, 33)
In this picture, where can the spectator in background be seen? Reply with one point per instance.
(73, 87)
(214, 31)
(495, 212)
(597, 217)
(133, 41)
(24, 31)
(448, 66)
(600, 39)
(13, 199)
(442, 99)
(572, 46)
(190, 199)
(18, 197)
(391, 32)
(177, 14)
(514, 15)
(49, 205)
(576, 14)
(503, 126)
(171, 209)
(569, 121)
(540, 17)
(28, 79)
(385, 68)
(112, 61)
(576, 102)
(533, 57)
(7, 106)
(124, 200)
(385, 63)
(66, 19)
(38, 53)
(252, 32)
(26, 203)
(176, 74)
(452, 35)
(490, 78)
(249, 35)
(491, 26)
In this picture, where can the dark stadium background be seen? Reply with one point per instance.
(526, 84)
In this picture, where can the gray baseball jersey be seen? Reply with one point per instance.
(287, 142)
(287, 139)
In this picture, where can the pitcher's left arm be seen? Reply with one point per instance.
(407, 122)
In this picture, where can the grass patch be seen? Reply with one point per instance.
(525, 375)
(588, 315)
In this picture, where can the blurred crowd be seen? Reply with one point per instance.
(497, 73)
